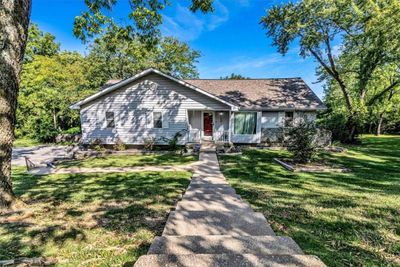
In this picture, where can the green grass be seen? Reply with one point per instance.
(347, 219)
(131, 160)
(25, 142)
(89, 219)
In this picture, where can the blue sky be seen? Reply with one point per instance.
(230, 40)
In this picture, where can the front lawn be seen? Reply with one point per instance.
(347, 219)
(131, 160)
(89, 219)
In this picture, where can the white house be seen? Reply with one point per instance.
(152, 104)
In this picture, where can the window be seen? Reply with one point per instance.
(245, 123)
(110, 122)
(270, 119)
(157, 120)
(288, 118)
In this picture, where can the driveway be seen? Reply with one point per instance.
(39, 155)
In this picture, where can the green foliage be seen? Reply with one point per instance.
(119, 145)
(173, 142)
(44, 130)
(145, 17)
(49, 85)
(301, 141)
(40, 43)
(113, 57)
(366, 46)
(234, 76)
(73, 130)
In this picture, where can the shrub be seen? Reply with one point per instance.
(149, 143)
(97, 144)
(119, 145)
(173, 142)
(301, 141)
(45, 130)
(73, 130)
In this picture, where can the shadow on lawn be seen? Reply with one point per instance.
(155, 159)
(344, 218)
(68, 207)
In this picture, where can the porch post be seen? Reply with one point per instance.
(230, 126)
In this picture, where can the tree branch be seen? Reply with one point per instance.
(382, 93)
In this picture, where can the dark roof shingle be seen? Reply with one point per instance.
(291, 93)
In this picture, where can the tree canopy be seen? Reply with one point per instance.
(234, 76)
(365, 33)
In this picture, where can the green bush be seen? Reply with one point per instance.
(45, 130)
(119, 145)
(73, 130)
(301, 141)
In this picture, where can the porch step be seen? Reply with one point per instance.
(208, 180)
(228, 260)
(210, 189)
(205, 223)
(224, 244)
(231, 204)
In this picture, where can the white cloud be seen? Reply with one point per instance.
(243, 64)
(188, 26)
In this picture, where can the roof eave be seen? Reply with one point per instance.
(139, 75)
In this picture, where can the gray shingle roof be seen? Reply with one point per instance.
(292, 93)
(281, 93)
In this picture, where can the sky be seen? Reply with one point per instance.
(230, 40)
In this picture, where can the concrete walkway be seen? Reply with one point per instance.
(213, 226)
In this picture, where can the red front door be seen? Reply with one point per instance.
(208, 123)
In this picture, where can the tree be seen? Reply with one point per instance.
(40, 43)
(14, 22)
(119, 58)
(367, 31)
(49, 85)
(234, 76)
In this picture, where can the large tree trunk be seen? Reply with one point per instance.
(14, 22)
(352, 129)
(379, 127)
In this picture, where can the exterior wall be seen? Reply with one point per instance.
(133, 106)
(272, 133)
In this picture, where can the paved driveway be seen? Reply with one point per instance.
(39, 155)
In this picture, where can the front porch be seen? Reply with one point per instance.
(208, 125)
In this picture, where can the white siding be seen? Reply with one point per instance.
(133, 105)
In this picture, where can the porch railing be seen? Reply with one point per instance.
(194, 135)
(221, 136)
